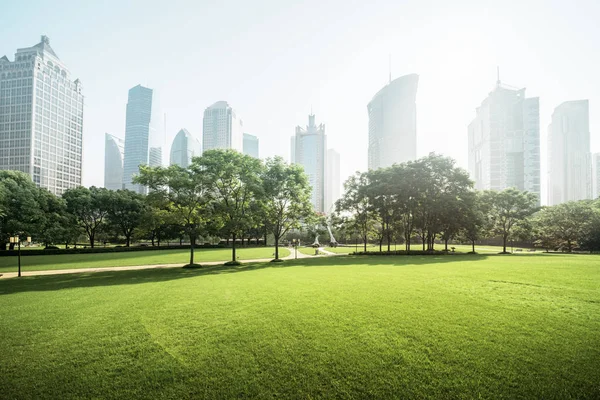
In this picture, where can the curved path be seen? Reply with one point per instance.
(137, 267)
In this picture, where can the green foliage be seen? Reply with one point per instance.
(89, 208)
(125, 211)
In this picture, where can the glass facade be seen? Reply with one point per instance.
(250, 145)
(113, 162)
(184, 147)
(41, 118)
(221, 128)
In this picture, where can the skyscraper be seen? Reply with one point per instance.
(222, 128)
(113, 162)
(504, 141)
(569, 157)
(41, 118)
(393, 123)
(596, 175)
(250, 145)
(332, 180)
(309, 148)
(184, 147)
(142, 138)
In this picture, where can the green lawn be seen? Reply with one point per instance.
(119, 259)
(516, 326)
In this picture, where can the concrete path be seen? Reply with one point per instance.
(138, 267)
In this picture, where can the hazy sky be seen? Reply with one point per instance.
(274, 59)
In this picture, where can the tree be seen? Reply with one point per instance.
(474, 219)
(55, 225)
(508, 209)
(125, 211)
(20, 211)
(89, 207)
(185, 193)
(354, 203)
(233, 179)
(286, 194)
(566, 224)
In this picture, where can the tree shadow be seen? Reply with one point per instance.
(43, 283)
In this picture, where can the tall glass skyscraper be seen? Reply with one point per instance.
(393, 123)
(184, 147)
(222, 128)
(250, 145)
(309, 149)
(142, 138)
(41, 118)
(569, 157)
(113, 162)
(504, 141)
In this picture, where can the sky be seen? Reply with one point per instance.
(275, 60)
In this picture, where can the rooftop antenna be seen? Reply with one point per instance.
(390, 68)
(498, 74)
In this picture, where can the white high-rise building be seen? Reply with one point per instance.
(250, 145)
(504, 142)
(142, 137)
(222, 128)
(41, 118)
(569, 157)
(184, 147)
(113, 162)
(596, 175)
(393, 123)
(309, 148)
(332, 180)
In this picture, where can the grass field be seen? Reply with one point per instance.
(458, 248)
(516, 326)
(119, 259)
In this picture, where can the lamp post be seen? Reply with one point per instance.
(295, 249)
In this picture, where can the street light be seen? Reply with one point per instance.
(15, 240)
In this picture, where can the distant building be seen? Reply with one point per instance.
(504, 142)
(113, 162)
(141, 135)
(222, 128)
(309, 147)
(596, 175)
(569, 157)
(250, 145)
(184, 147)
(332, 180)
(41, 118)
(393, 123)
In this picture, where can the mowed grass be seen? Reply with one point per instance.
(133, 258)
(460, 248)
(517, 326)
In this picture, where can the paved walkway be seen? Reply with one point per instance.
(138, 267)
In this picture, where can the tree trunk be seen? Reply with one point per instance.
(128, 240)
(233, 249)
(92, 241)
(365, 244)
(181, 241)
(473, 243)
(504, 238)
(423, 240)
(446, 243)
(265, 239)
(276, 247)
(191, 250)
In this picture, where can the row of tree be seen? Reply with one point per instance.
(223, 194)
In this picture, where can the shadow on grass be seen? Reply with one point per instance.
(110, 278)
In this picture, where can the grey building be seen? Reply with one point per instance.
(393, 123)
(250, 145)
(41, 118)
(113, 162)
(504, 141)
(309, 148)
(184, 147)
(569, 157)
(141, 135)
(596, 175)
(332, 180)
(222, 128)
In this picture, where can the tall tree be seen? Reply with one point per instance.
(125, 211)
(286, 194)
(354, 205)
(89, 207)
(566, 224)
(234, 180)
(507, 209)
(19, 209)
(185, 193)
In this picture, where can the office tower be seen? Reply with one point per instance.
(142, 137)
(504, 141)
(596, 175)
(569, 157)
(250, 145)
(113, 162)
(332, 180)
(393, 123)
(222, 128)
(184, 147)
(41, 118)
(309, 147)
